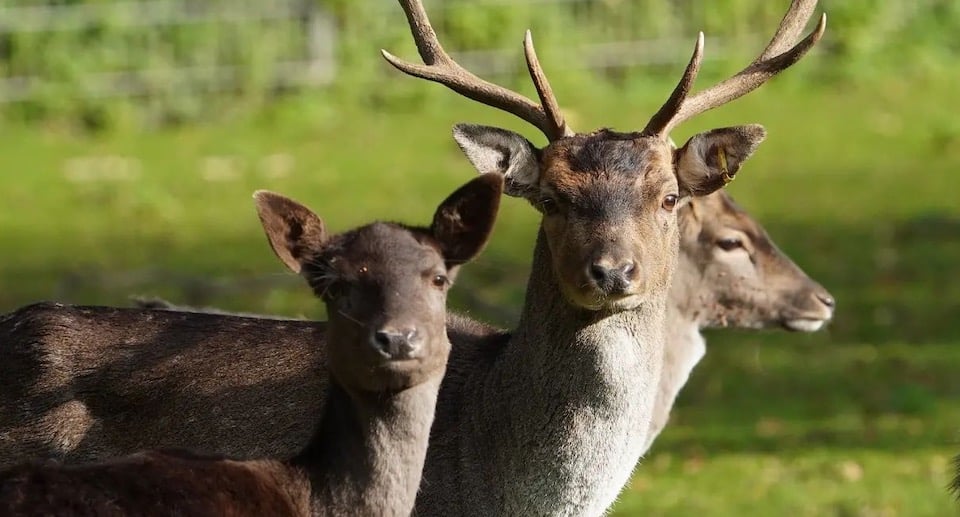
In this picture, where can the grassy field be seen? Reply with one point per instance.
(857, 182)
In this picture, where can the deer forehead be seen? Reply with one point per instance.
(606, 160)
(382, 250)
(718, 212)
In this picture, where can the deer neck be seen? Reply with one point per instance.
(560, 419)
(685, 347)
(366, 455)
(690, 305)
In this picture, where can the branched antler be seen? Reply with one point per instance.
(778, 56)
(439, 67)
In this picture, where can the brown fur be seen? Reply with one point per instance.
(366, 455)
(87, 363)
(155, 483)
(752, 284)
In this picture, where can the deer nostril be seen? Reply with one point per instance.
(827, 300)
(599, 273)
(411, 341)
(614, 279)
(382, 339)
(397, 344)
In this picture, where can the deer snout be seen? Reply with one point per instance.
(397, 344)
(612, 276)
(814, 308)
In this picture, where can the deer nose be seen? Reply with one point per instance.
(396, 344)
(613, 278)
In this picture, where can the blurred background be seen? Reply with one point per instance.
(134, 132)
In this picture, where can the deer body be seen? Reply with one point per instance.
(365, 459)
(385, 287)
(88, 383)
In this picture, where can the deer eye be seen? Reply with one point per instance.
(440, 281)
(730, 243)
(669, 202)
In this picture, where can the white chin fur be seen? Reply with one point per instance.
(804, 325)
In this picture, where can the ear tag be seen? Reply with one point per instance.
(727, 177)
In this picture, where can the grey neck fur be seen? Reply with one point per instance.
(367, 454)
(685, 345)
(557, 420)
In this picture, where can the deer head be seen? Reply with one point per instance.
(608, 198)
(734, 274)
(384, 284)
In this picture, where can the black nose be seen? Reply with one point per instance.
(826, 299)
(397, 344)
(612, 279)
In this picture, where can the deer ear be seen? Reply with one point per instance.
(709, 160)
(292, 229)
(492, 149)
(463, 222)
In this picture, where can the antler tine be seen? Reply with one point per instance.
(661, 119)
(750, 78)
(544, 91)
(791, 26)
(439, 67)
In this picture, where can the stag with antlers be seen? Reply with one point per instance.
(555, 421)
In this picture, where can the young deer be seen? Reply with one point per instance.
(550, 418)
(384, 286)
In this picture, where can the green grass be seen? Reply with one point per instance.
(856, 182)
(796, 429)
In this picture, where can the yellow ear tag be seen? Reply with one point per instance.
(727, 177)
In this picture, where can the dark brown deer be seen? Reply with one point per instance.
(384, 286)
(550, 418)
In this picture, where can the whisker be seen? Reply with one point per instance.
(349, 317)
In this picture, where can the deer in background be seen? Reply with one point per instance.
(549, 418)
(385, 289)
(730, 275)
